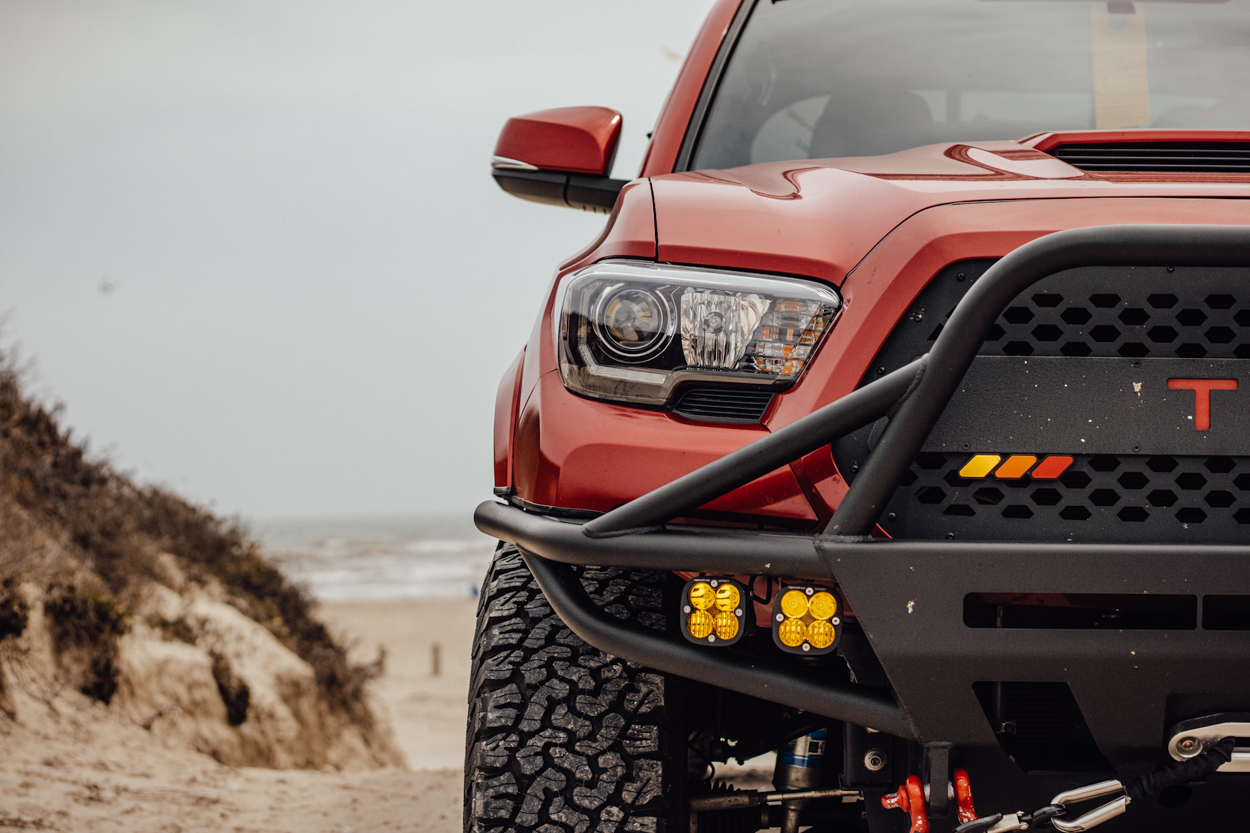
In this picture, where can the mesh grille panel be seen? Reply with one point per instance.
(1100, 498)
(1188, 322)
(1091, 313)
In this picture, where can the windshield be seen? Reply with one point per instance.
(811, 79)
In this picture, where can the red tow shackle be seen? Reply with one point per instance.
(963, 796)
(910, 799)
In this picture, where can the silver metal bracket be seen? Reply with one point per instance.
(1191, 738)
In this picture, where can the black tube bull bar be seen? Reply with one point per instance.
(883, 579)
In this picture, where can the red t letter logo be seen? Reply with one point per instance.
(1202, 396)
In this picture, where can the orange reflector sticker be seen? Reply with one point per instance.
(979, 466)
(1051, 468)
(1017, 466)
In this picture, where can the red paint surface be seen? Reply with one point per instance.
(1202, 396)
(574, 139)
(629, 232)
(506, 403)
(579, 453)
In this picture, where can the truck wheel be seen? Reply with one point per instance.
(561, 736)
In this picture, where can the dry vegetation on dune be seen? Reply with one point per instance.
(160, 610)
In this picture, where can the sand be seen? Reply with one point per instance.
(428, 710)
(87, 770)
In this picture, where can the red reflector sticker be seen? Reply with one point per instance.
(1051, 468)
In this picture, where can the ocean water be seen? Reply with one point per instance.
(351, 559)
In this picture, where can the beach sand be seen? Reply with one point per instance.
(88, 771)
(428, 710)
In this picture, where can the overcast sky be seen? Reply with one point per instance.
(254, 246)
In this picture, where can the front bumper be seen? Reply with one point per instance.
(910, 597)
(910, 600)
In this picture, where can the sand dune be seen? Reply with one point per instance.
(81, 767)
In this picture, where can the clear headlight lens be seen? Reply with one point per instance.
(631, 332)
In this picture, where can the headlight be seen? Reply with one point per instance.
(633, 332)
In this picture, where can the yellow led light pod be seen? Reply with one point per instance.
(807, 619)
(714, 610)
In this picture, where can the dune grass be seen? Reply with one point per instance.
(108, 534)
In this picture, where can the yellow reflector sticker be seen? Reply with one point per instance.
(794, 604)
(791, 633)
(1017, 466)
(727, 598)
(823, 606)
(700, 624)
(980, 466)
(726, 625)
(820, 634)
(702, 596)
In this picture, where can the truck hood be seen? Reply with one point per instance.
(819, 218)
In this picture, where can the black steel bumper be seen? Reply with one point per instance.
(909, 597)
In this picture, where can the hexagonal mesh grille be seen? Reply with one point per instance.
(1126, 313)
(1078, 319)
(1099, 498)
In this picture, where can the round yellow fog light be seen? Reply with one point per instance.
(700, 624)
(727, 598)
(794, 603)
(726, 625)
(823, 605)
(820, 634)
(702, 596)
(791, 633)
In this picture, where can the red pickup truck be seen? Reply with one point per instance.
(897, 423)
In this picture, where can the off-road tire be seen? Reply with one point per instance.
(563, 738)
